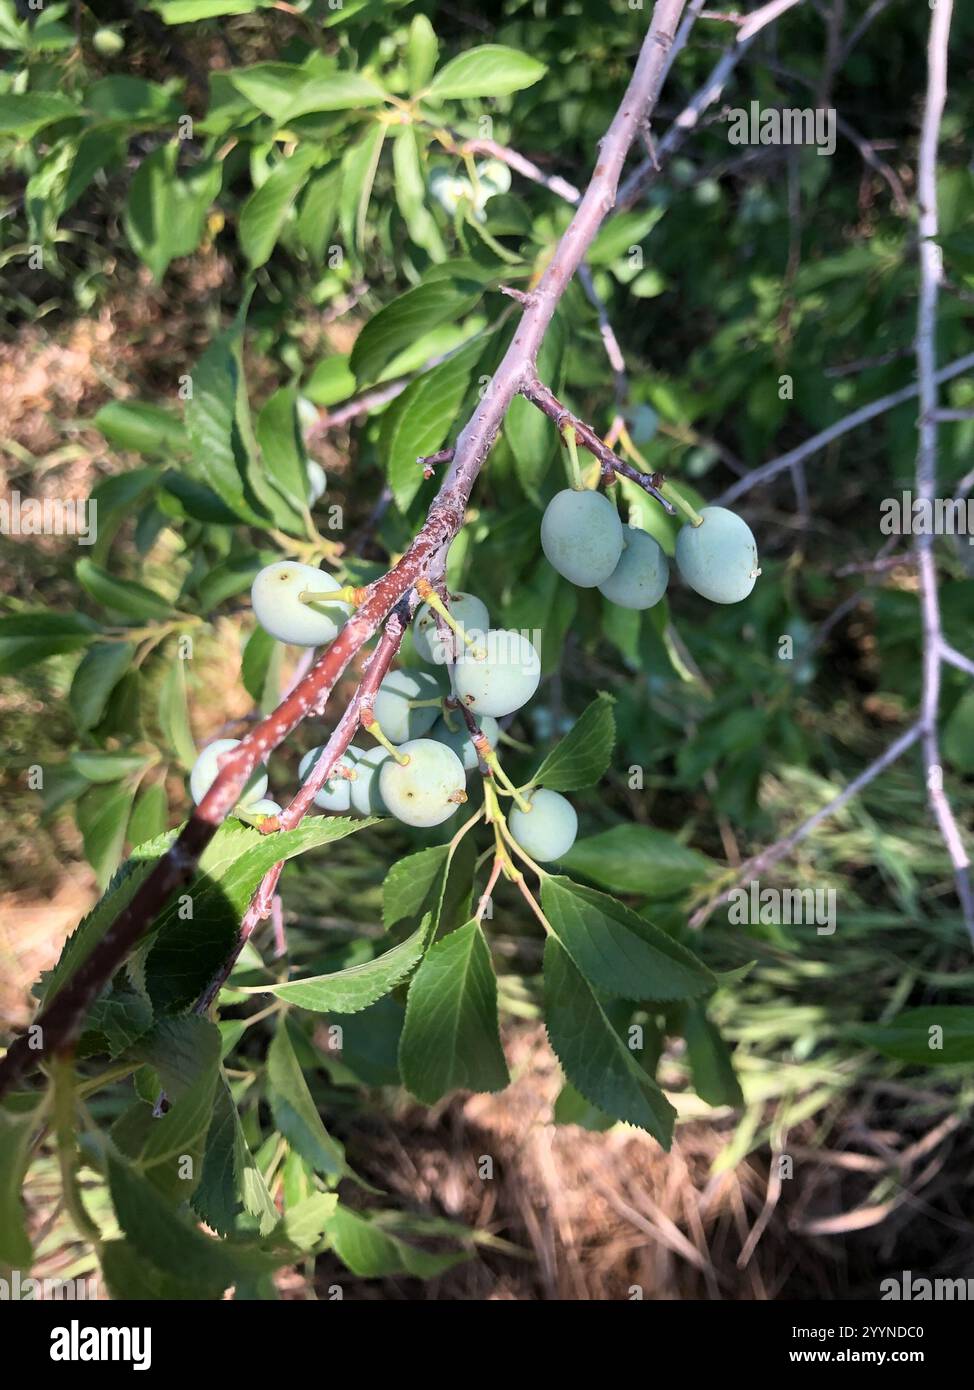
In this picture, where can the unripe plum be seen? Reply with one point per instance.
(501, 677)
(205, 769)
(426, 789)
(366, 795)
(460, 739)
(639, 579)
(581, 535)
(335, 794)
(317, 480)
(106, 42)
(719, 558)
(469, 612)
(264, 807)
(392, 706)
(548, 830)
(275, 596)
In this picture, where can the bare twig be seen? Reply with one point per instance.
(931, 271)
(755, 866)
(540, 395)
(852, 421)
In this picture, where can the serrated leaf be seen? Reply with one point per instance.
(149, 814)
(118, 895)
(132, 1278)
(419, 422)
(488, 71)
(407, 887)
(294, 1110)
(450, 1039)
(25, 113)
(594, 1057)
(172, 1157)
(619, 952)
(348, 991)
(122, 595)
(97, 674)
(306, 1221)
(407, 318)
(639, 859)
(188, 949)
(583, 756)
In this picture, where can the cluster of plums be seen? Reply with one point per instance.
(584, 540)
(422, 781)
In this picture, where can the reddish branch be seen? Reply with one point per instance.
(538, 394)
(61, 1021)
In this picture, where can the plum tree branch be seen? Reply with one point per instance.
(59, 1023)
(548, 403)
(931, 274)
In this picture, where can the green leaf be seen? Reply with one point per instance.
(103, 817)
(714, 1079)
(189, 11)
(294, 1110)
(638, 859)
(573, 1109)
(98, 672)
(421, 419)
(581, 758)
(230, 1177)
(406, 319)
(188, 949)
(24, 114)
(413, 884)
(305, 1223)
(532, 437)
(166, 212)
(260, 669)
(450, 1040)
(359, 165)
(621, 232)
(107, 767)
(282, 447)
(16, 1133)
(411, 192)
(958, 736)
(594, 1057)
(422, 49)
(121, 595)
(131, 1277)
(348, 991)
(617, 951)
(174, 712)
(150, 814)
(935, 1035)
(172, 1156)
(142, 428)
(285, 92)
(318, 215)
(263, 215)
(330, 382)
(163, 1237)
(92, 928)
(489, 71)
(218, 428)
(26, 638)
(372, 1253)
